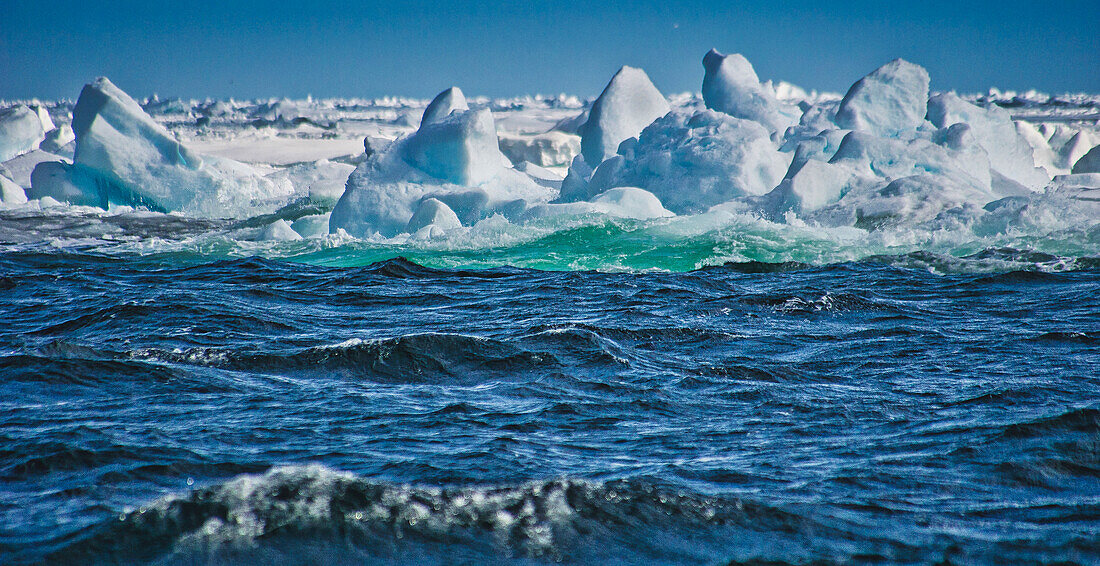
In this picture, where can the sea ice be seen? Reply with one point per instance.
(730, 85)
(1009, 153)
(930, 201)
(311, 226)
(460, 148)
(891, 100)
(550, 149)
(540, 175)
(322, 180)
(279, 231)
(22, 128)
(433, 212)
(20, 168)
(887, 158)
(11, 193)
(130, 159)
(452, 158)
(443, 105)
(1075, 149)
(626, 106)
(620, 202)
(66, 182)
(694, 161)
(813, 186)
(57, 138)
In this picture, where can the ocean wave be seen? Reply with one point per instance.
(314, 513)
(296, 512)
(740, 242)
(413, 358)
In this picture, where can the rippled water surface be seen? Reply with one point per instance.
(913, 408)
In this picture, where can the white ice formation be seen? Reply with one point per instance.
(694, 161)
(549, 149)
(11, 193)
(620, 202)
(890, 101)
(453, 159)
(22, 128)
(730, 85)
(1088, 163)
(626, 106)
(125, 157)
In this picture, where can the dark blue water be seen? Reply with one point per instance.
(160, 410)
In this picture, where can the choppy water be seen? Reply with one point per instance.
(162, 401)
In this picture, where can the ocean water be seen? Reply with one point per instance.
(618, 393)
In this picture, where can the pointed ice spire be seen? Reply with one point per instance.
(626, 106)
(730, 85)
(443, 104)
(454, 143)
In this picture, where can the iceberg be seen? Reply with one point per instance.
(730, 85)
(66, 182)
(460, 148)
(1009, 153)
(887, 159)
(931, 201)
(20, 168)
(891, 100)
(124, 157)
(626, 106)
(540, 175)
(453, 158)
(443, 105)
(10, 192)
(694, 161)
(57, 138)
(815, 185)
(322, 180)
(279, 231)
(22, 128)
(1075, 149)
(433, 212)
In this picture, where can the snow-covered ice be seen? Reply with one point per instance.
(453, 158)
(620, 202)
(22, 128)
(890, 101)
(11, 193)
(125, 157)
(1088, 163)
(730, 85)
(626, 106)
(693, 161)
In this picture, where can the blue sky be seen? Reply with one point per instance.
(248, 49)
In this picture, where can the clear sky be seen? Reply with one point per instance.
(364, 48)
